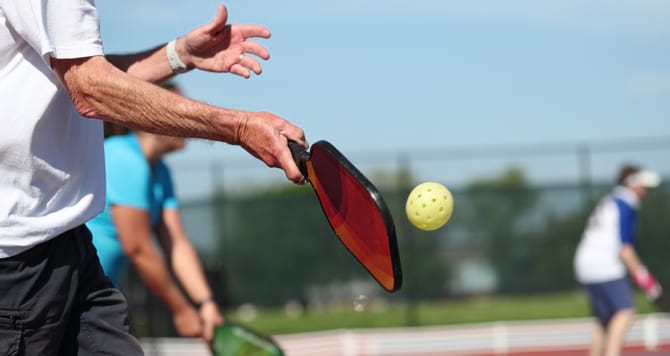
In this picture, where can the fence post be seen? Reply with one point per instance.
(650, 332)
(500, 338)
(350, 343)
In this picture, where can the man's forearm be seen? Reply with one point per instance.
(150, 65)
(182, 257)
(189, 271)
(630, 259)
(149, 265)
(99, 90)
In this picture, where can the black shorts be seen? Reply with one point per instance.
(55, 300)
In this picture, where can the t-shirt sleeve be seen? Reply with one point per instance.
(127, 177)
(59, 29)
(627, 223)
(165, 178)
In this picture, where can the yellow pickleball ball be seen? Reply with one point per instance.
(429, 206)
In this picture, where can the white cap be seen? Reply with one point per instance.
(644, 178)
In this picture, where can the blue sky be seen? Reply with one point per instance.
(372, 74)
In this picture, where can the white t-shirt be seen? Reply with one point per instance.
(51, 158)
(611, 225)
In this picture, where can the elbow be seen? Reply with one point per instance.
(84, 79)
(83, 93)
(85, 108)
(134, 252)
(131, 253)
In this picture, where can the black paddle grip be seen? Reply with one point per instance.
(300, 157)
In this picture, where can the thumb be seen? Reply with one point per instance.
(219, 21)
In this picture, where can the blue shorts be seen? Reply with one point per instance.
(608, 298)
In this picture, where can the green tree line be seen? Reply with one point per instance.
(276, 244)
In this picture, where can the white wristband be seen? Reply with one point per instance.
(176, 63)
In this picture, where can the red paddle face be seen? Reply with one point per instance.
(356, 212)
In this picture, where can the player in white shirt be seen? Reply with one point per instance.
(606, 253)
(55, 81)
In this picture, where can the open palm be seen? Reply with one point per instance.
(219, 47)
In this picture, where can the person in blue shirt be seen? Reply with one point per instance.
(140, 205)
(607, 252)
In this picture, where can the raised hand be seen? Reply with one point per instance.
(219, 47)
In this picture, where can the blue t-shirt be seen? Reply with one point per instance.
(132, 182)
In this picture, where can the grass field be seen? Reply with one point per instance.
(447, 312)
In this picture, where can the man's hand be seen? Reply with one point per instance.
(187, 322)
(645, 281)
(266, 137)
(219, 47)
(211, 318)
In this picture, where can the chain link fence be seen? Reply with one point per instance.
(519, 212)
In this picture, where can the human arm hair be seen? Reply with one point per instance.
(100, 90)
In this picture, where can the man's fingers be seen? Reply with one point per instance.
(291, 170)
(251, 64)
(256, 49)
(295, 134)
(240, 70)
(208, 333)
(249, 31)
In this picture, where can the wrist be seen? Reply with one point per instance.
(643, 278)
(240, 121)
(641, 273)
(177, 57)
(201, 303)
